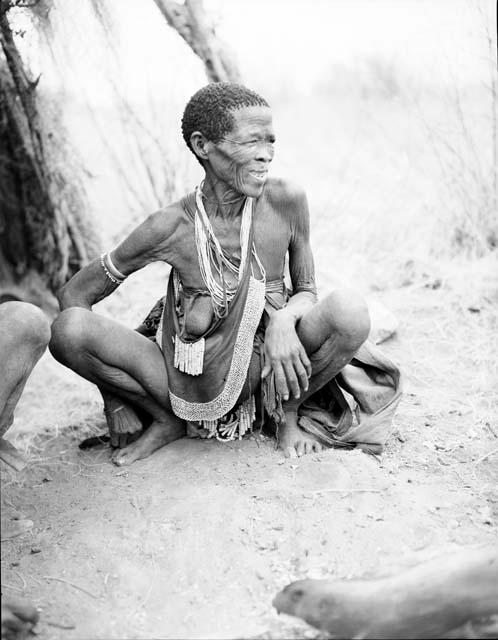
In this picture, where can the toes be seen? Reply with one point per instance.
(119, 458)
(116, 454)
(125, 456)
(317, 447)
(300, 448)
(290, 452)
(119, 461)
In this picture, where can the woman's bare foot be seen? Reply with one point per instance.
(293, 441)
(19, 617)
(122, 421)
(153, 438)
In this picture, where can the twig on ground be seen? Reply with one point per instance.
(486, 455)
(147, 595)
(58, 625)
(72, 584)
(9, 503)
(9, 586)
(317, 491)
(21, 578)
(45, 458)
(96, 464)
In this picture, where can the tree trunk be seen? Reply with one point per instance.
(191, 22)
(44, 236)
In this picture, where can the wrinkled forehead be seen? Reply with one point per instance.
(246, 120)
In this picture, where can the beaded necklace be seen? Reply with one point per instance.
(213, 262)
(212, 257)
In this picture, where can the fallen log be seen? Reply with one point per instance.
(454, 594)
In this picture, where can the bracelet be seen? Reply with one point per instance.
(113, 269)
(117, 277)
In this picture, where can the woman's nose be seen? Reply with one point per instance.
(266, 151)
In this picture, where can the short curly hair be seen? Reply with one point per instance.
(210, 110)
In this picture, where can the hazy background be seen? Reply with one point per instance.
(383, 110)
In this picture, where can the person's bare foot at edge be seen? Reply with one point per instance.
(293, 441)
(156, 436)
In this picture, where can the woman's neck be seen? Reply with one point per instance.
(220, 199)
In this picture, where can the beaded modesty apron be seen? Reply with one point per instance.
(206, 375)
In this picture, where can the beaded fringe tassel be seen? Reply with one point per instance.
(189, 356)
(236, 427)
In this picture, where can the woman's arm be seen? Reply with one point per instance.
(145, 244)
(284, 353)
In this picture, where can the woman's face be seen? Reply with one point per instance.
(242, 157)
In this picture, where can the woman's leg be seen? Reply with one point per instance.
(24, 335)
(331, 332)
(123, 363)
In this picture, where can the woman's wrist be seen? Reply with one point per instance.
(284, 315)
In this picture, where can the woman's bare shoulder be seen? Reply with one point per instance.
(285, 193)
(166, 220)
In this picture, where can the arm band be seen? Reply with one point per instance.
(113, 269)
(110, 270)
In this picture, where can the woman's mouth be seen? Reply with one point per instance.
(259, 176)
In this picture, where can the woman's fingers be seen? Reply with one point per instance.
(281, 380)
(292, 372)
(292, 379)
(301, 373)
(266, 371)
(305, 361)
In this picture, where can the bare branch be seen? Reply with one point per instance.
(193, 25)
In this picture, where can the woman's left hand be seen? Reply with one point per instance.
(285, 356)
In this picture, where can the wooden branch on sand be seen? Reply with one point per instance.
(441, 598)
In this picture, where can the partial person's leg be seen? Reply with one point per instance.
(18, 618)
(123, 363)
(24, 335)
(331, 332)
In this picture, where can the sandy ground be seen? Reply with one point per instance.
(195, 541)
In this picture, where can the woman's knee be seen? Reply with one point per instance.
(69, 333)
(349, 316)
(25, 324)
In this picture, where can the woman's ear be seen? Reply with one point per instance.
(198, 142)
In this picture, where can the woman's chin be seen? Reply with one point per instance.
(254, 189)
